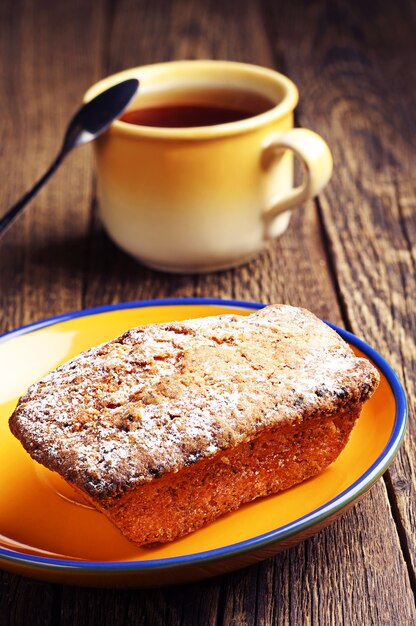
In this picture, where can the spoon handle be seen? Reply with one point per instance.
(10, 215)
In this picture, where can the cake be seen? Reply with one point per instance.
(169, 426)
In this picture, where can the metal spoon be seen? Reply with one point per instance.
(92, 119)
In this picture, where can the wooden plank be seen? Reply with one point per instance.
(355, 90)
(25, 601)
(187, 604)
(44, 72)
(322, 580)
(42, 256)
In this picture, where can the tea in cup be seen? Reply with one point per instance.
(197, 175)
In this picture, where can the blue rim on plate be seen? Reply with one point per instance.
(255, 543)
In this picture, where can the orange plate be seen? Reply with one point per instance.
(48, 532)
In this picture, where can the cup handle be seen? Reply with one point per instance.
(314, 154)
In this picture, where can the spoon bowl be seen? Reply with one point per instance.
(97, 115)
(90, 121)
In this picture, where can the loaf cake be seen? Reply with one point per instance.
(171, 425)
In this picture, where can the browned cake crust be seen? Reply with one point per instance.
(170, 426)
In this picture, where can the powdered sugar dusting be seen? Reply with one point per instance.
(163, 396)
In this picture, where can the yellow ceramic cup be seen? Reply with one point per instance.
(208, 197)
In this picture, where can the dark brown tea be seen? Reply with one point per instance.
(194, 114)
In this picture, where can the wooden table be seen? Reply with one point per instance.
(349, 256)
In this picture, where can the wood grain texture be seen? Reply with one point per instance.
(44, 71)
(369, 210)
(187, 604)
(354, 572)
(25, 601)
(42, 258)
